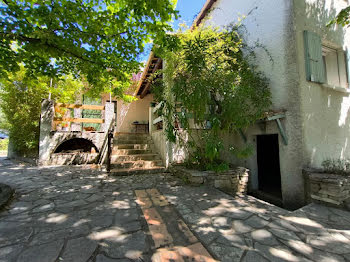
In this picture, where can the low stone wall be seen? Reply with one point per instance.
(58, 137)
(232, 181)
(60, 159)
(169, 152)
(328, 189)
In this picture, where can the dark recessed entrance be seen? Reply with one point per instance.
(269, 174)
(76, 145)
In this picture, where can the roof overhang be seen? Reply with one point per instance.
(203, 13)
(154, 63)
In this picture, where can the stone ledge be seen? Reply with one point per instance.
(59, 159)
(327, 189)
(232, 181)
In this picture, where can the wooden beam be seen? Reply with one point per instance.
(145, 90)
(270, 118)
(203, 13)
(143, 76)
(91, 107)
(282, 132)
(79, 120)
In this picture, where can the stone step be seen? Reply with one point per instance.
(132, 146)
(131, 142)
(131, 151)
(137, 164)
(121, 158)
(136, 171)
(133, 137)
(130, 134)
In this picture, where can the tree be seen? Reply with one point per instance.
(343, 18)
(98, 40)
(210, 86)
(20, 104)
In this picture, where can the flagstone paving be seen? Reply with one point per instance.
(80, 214)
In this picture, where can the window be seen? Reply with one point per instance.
(334, 66)
(325, 64)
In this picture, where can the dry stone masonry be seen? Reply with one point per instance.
(232, 181)
(329, 189)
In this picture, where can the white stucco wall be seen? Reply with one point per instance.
(130, 112)
(169, 152)
(325, 121)
(127, 113)
(271, 23)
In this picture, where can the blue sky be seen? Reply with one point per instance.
(188, 10)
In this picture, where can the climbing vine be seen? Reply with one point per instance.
(210, 86)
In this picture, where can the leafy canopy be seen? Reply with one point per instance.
(210, 86)
(20, 105)
(99, 40)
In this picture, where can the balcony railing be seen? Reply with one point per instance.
(63, 123)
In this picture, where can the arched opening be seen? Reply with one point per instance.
(77, 145)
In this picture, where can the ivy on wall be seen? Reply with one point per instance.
(210, 86)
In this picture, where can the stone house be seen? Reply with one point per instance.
(309, 81)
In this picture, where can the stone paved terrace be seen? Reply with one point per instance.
(79, 214)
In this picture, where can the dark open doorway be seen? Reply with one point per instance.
(269, 174)
(76, 145)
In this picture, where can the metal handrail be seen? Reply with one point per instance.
(106, 149)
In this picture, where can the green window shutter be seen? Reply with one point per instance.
(347, 62)
(313, 58)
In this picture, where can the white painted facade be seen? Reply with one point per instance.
(127, 113)
(317, 122)
(325, 109)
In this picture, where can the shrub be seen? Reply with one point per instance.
(20, 103)
(4, 144)
(210, 86)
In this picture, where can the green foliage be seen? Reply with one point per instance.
(20, 103)
(95, 40)
(337, 166)
(343, 18)
(4, 144)
(243, 152)
(210, 84)
(3, 123)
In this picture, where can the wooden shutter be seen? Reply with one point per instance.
(313, 58)
(347, 62)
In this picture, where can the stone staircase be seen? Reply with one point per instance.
(134, 154)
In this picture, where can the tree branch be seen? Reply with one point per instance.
(51, 45)
(88, 33)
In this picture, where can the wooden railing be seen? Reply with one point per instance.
(159, 119)
(78, 106)
(58, 120)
